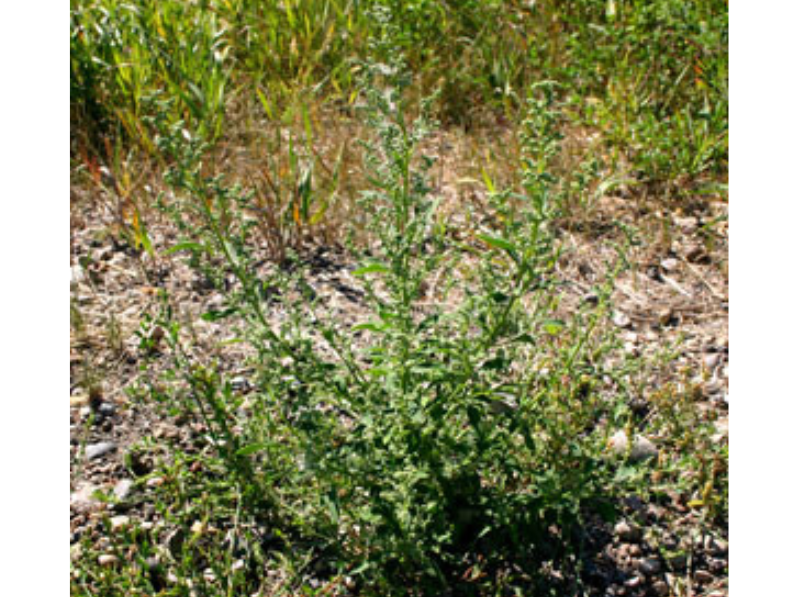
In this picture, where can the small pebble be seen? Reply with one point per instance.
(107, 409)
(240, 384)
(703, 577)
(152, 563)
(717, 566)
(95, 451)
(76, 276)
(722, 431)
(634, 581)
(649, 566)
(621, 320)
(711, 360)
(642, 449)
(120, 522)
(107, 560)
(688, 223)
(122, 489)
(155, 482)
(83, 497)
(669, 265)
(79, 400)
(627, 532)
(661, 589)
(717, 547)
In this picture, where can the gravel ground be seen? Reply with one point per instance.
(674, 295)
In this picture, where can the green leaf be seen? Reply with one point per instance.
(370, 326)
(525, 338)
(250, 449)
(214, 315)
(553, 326)
(373, 268)
(497, 242)
(186, 246)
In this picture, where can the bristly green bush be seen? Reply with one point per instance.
(453, 446)
(452, 441)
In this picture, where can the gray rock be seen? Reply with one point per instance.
(669, 264)
(99, 450)
(642, 449)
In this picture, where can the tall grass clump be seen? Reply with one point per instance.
(650, 77)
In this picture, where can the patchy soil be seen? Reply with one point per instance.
(671, 298)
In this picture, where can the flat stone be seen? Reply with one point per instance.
(99, 450)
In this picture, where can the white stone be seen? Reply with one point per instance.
(642, 448)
